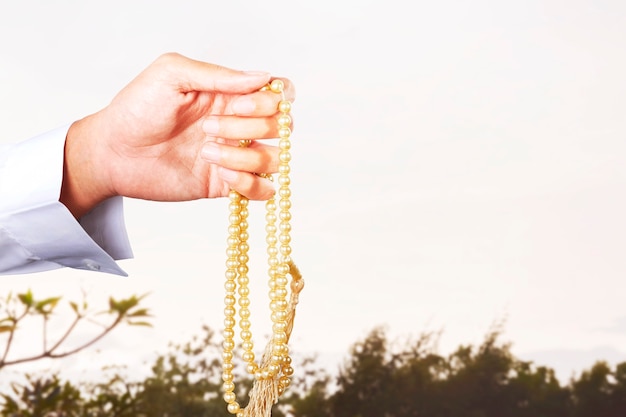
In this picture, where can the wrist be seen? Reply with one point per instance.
(83, 185)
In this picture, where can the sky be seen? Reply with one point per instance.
(455, 164)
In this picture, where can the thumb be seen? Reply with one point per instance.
(191, 75)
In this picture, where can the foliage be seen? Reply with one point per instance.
(378, 379)
(15, 309)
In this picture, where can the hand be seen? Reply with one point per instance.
(172, 135)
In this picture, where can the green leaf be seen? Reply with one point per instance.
(142, 312)
(46, 306)
(139, 323)
(27, 298)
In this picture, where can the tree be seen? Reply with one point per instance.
(18, 308)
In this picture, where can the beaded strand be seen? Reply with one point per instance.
(277, 368)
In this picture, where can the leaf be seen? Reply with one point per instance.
(6, 328)
(26, 298)
(142, 312)
(50, 303)
(139, 323)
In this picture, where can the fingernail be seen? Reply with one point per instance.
(211, 126)
(227, 174)
(211, 152)
(244, 105)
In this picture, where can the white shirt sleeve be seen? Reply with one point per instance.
(39, 233)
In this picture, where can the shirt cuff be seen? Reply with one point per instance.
(37, 232)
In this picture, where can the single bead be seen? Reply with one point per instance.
(280, 294)
(284, 381)
(228, 386)
(230, 285)
(270, 218)
(285, 216)
(243, 292)
(227, 377)
(284, 156)
(284, 106)
(270, 204)
(285, 204)
(284, 120)
(283, 181)
(227, 356)
(244, 313)
(280, 337)
(229, 322)
(228, 366)
(235, 218)
(243, 258)
(246, 335)
(244, 302)
(265, 374)
(229, 311)
(283, 169)
(279, 327)
(285, 250)
(228, 345)
(247, 345)
(271, 240)
(277, 316)
(283, 269)
(258, 375)
(242, 269)
(229, 300)
(248, 356)
(277, 86)
(284, 144)
(243, 280)
(230, 397)
(244, 324)
(288, 370)
(284, 194)
(284, 132)
(233, 407)
(272, 251)
(233, 241)
(228, 333)
(273, 369)
(252, 368)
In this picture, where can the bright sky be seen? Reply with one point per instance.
(455, 163)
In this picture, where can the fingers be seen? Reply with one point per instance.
(257, 158)
(247, 184)
(249, 116)
(261, 103)
(237, 128)
(191, 75)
